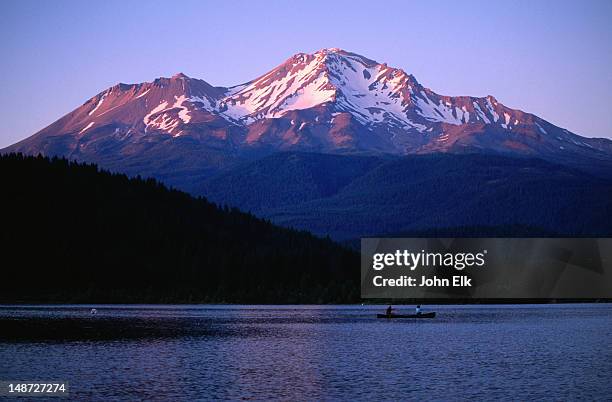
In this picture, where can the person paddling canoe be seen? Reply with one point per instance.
(418, 309)
(389, 310)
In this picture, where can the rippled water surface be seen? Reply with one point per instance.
(554, 352)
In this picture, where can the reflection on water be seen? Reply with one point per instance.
(311, 352)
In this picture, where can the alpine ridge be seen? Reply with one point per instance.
(180, 129)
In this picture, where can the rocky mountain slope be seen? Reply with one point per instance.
(182, 129)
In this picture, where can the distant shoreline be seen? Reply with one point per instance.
(376, 303)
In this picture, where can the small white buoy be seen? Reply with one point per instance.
(94, 311)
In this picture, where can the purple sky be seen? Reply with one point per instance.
(551, 58)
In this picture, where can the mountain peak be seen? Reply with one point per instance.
(331, 50)
(330, 100)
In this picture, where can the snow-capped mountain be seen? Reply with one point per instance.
(331, 101)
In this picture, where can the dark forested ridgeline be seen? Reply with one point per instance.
(353, 196)
(72, 233)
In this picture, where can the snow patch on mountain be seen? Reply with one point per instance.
(100, 102)
(168, 118)
(87, 127)
(299, 85)
(205, 103)
(480, 113)
(372, 94)
(440, 112)
(309, 96)
(143, 94)
(541, 128)
(491, 110)
(184, 111)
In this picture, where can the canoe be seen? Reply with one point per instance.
(422, 315)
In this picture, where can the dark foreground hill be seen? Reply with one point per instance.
(73, 233)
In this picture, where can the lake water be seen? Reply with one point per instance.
(552, 352)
